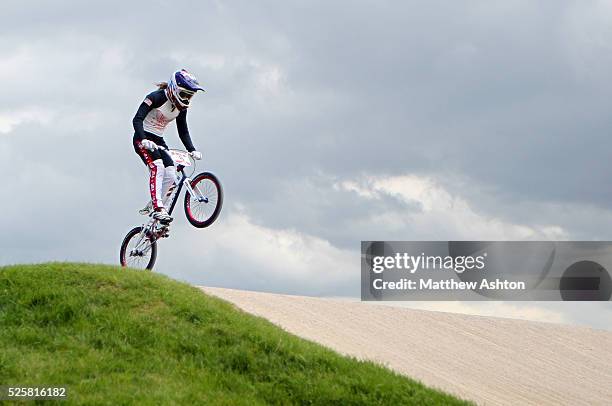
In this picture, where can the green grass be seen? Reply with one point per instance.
(118, 336)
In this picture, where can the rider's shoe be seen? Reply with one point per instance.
(162, 215)
(145, 211)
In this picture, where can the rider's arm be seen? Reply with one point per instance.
(153, 100)
(181, 126)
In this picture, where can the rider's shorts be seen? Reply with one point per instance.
(150, 156)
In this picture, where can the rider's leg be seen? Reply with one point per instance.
(155, 163)
(156, 179)
(169, 178)
(155, 185)
(169, 173)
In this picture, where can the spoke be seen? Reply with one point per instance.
(143, 248)
(204, 189)
(198, 191)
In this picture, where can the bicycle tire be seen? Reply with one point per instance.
(132, 233)
(190, 211)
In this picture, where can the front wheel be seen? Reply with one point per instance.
(204, 208)
(137, 250)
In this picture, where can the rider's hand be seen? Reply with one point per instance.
(148, 144)
(197, 155)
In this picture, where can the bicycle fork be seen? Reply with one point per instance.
(140, 247)
(171, 196)
(176, 190)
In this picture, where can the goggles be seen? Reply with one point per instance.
(185, 95)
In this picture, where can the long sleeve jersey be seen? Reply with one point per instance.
(154, 114)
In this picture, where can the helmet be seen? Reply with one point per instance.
(181, 88)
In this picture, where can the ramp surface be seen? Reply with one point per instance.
(484, 359)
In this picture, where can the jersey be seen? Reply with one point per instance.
(153, 116)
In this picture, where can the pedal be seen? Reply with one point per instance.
(162, 231)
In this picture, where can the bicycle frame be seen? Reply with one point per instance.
(182, 180)
(172, 198)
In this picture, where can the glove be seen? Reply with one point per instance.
(148, 144)
(197, 155)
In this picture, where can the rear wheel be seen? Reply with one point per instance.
(204, 208)
(137, 250)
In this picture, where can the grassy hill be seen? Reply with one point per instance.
(117, 336)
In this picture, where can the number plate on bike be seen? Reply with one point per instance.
(180, 157)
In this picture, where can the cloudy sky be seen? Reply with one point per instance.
(328, 122)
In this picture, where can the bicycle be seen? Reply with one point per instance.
(202, 205)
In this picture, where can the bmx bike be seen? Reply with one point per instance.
(202, 204)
